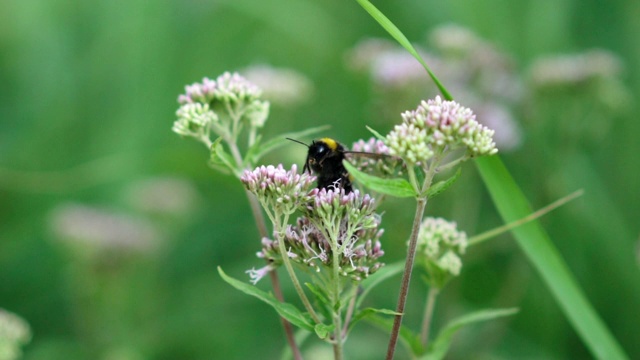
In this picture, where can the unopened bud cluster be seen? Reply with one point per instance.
(278, 188)
(440, 245)
(195, 120)
(375, 158)
(335, 206)
(227, 87)
(221, 106)
(436, 127)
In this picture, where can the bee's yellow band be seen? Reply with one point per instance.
(332, 144)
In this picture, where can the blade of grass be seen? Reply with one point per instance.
(477, 239)
(378, 16)
(512, 205)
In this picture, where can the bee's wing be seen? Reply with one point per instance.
(362, 154)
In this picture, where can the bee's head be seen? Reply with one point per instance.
(319, 150)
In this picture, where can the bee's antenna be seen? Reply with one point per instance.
(299, 142)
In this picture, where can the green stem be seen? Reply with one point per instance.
(413, 180)
(207, 142)
(237, 157)
(337, 335)
(406, 277)
(337, 307)
(287, 264)
(428, 315)
(452, 164)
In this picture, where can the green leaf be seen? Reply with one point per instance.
(397, 187)
(441, 186)
(281, 140)
(320, 295)
(376, 134)
(512, 205)
(286, 310)
(381, 275)
(321, 298)
(402, 40)
(439, 347)
(219, 158)
(367, 312)
(323, 330)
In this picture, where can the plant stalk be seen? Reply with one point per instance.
(337, 334)
(337, 307)
(406, 277)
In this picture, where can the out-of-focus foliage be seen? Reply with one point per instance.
(111, 226)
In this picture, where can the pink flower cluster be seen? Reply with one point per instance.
(228, 86)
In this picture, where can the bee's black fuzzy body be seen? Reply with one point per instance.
(325, 160)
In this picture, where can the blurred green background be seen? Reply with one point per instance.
(87, 99)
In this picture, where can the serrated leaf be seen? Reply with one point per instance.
(441, 186)
(439, 347)
(323, 330)
(281, 140)
(397, 187)
(286, 310)
(376, 134)
(384, 273)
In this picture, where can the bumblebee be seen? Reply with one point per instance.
(324, 159)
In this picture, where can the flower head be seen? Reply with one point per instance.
(308, 246)
(228, 86)
(377, 161)
(331, 208)
(279, 188)
(223, 106)
(436, 126)
(338, 227)
(440, 245)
